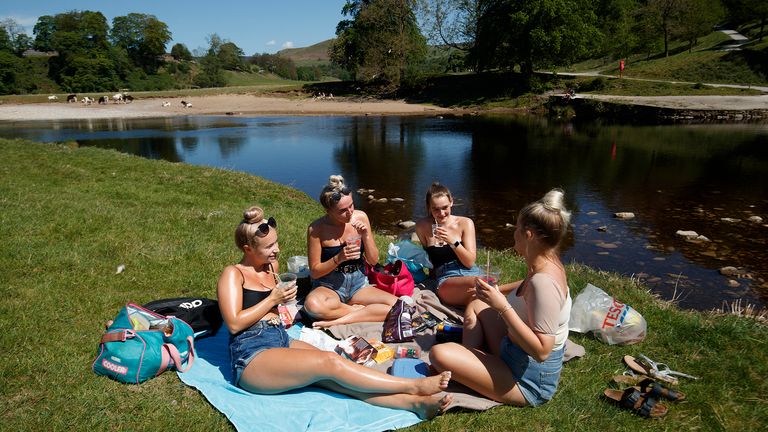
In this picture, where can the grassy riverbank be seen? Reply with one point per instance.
(71, 215)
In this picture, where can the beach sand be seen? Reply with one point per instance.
(235, 104)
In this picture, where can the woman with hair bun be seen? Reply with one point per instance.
(449, 241)
(265, 360)
(339, 245)
(525, 331)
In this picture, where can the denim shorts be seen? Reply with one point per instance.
(537, 381)
(346, 285)
(244, 346)
(454, 269)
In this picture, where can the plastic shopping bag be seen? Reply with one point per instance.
(414, 257)
(610, 320)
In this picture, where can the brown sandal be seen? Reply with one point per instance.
(633, 399)
(659, 391)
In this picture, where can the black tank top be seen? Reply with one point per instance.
(328, 252)
(439, 255)
(252, 297)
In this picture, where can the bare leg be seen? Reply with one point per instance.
(457, 291)
(323, 303)
(280, 369)
(485, 373)
(473, 335)
(377, 304)
(493, 328)
(426, 407)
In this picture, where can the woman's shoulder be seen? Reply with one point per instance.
(464, 221)
(546, 281)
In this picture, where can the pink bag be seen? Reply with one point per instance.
(393, 278)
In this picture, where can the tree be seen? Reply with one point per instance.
(695, 19)
(451, 22)
(43, 31)
(534, 34)
(5, 40)
(180, 52)
(381, 42)
(231, 56)
(143, 36)
(211, 74)
(746, 11)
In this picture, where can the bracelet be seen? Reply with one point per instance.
(334, 260)
(506, 308)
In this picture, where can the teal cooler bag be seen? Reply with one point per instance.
(141, 344)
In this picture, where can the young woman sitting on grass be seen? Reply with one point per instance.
(449, 241)
(266, 360)
(512, 346)
(339, 245)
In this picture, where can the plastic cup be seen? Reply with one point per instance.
(287, 280)
(435, 226)
(492, 277)
(354, 240)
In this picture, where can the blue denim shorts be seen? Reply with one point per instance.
(346, 285)
(244, 346)
(454, 269)
(537, 381)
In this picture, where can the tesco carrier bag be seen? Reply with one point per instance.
(608, 319)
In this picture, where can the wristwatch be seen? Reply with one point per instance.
(457, 243)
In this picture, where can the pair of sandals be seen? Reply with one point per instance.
(643, 398)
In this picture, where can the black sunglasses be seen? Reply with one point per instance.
(263, 228)
(336, 196)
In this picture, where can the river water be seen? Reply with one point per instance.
(706, 178)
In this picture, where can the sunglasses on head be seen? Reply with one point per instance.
(336, 196)
(263, 228)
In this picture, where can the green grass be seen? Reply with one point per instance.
(70, 216)
(633, 87)
(705, 64)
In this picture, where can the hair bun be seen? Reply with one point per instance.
(555, 200)
(336, 181)
(253, 215)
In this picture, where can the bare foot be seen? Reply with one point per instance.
(430, 406)
(432, 384)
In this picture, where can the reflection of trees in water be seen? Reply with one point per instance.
(150, 148)
(231, 144)
(385, 154)
(189, 143)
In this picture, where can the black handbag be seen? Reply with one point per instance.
(202, 314)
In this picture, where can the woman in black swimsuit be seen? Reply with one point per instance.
(266, 360)
(451, 247)
(339, 245)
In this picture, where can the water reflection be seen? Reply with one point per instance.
(709, 179)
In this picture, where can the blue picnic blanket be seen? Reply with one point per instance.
(308, 409)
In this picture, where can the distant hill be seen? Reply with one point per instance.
(311, 55)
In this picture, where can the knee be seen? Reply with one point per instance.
(440, 356)
(316, 306)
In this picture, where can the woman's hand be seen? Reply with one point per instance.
(447, 235)
(349, 252)
(490, 294)
(360, 226)
(284, 295)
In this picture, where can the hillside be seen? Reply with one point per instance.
(308, 56)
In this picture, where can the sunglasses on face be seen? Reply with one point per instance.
(336, 196)
(263, 228)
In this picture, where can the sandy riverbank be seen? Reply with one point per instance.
(242, 105)
(250, 105)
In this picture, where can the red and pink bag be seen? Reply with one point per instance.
(393, 278)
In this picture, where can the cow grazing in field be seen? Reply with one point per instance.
(52, 97)
(103, 100)
(186, 104)
(127, 98)
(87, 100)
(71, 98)
(118, 97)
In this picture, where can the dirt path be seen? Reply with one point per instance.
(720, 103)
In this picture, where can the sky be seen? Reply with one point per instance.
(256, 26)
